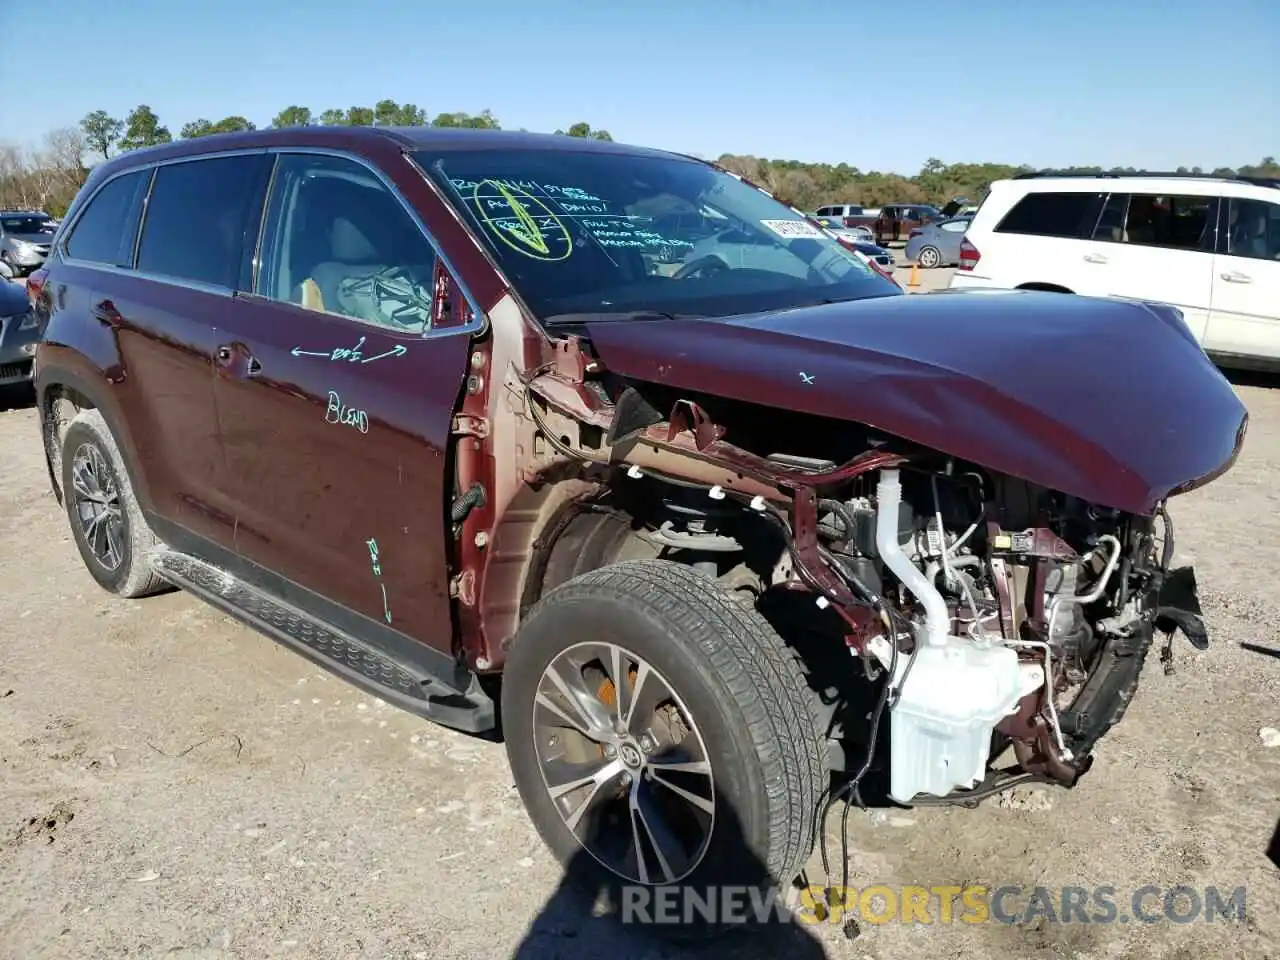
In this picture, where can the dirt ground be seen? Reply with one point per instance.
(173, 784)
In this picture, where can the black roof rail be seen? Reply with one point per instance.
(1153, 174)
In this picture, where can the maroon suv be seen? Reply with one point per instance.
(609, 438)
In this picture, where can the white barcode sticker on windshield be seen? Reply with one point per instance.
(792, 229)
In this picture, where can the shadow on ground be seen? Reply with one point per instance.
(1269, 380)
(592, 916)
(17, 398)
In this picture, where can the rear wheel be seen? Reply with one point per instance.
(106, 521)
(929, 257)
(662, 736)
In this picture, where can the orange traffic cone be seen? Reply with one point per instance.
(914, 279)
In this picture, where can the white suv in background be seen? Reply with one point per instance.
(1209, 246)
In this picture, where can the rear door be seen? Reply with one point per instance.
(158, 314)
(1159, 247)
(338, 377)
(1245, 316)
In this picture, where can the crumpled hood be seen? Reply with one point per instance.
(1112, 401)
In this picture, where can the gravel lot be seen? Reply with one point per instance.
(172, 784)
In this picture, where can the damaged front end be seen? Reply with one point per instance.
(998, 611)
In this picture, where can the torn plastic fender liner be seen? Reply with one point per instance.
(690, 436)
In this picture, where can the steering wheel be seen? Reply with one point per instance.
(702, 267)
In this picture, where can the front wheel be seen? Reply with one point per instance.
(662, 735)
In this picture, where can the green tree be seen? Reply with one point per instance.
(196, 128)
(293, 116)
(333, 118)
(485, 120)
(202, 128)
(359, 117)
(1266, 167)
(388, 113)
(584, 130)
(143, 129)
(101, 131)
(233, 124)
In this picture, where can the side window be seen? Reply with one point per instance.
(1253, 229)
(1110, 226)
(196, 219)
(823, 212)
(1057, 214)
(338, 240)
(1179, 223)
(105, 232)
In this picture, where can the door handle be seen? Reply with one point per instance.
(106, 314)
(248, 365)
(1234, 277)
(226, 356)
(1094, 258)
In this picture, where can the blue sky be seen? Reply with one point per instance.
(874, 84)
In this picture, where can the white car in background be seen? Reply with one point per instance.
(1208, 245)
(741, 249)
(835, 226)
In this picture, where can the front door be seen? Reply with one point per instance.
(336, 393)
(1245, 316)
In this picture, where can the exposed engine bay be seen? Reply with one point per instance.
(1018, 615)
(992, 611)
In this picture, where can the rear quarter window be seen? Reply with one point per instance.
(106, 231)
(1070, 215)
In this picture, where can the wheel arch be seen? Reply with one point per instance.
(62, 387)
(550, 532)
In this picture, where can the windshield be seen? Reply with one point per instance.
(26, 224)
(608, 233)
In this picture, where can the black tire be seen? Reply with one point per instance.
(131, 574)
(748, 700)
(929, 257)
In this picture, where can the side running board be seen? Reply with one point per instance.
(356, 661)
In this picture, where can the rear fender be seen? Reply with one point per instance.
(64, 371)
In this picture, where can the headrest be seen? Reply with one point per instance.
(348, 244)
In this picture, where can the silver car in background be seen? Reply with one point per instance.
(19, 334)
(937, 244)
(25, 236)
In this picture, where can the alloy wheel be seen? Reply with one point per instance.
(96, 499)
(624, 764)
(929, 258)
